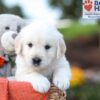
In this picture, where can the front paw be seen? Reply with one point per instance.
(61, 82)
(41, 85)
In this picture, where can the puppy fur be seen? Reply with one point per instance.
(41, 39)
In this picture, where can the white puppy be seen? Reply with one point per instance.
(40, 50)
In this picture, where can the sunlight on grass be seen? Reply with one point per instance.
(77, 29)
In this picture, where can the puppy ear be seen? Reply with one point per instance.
(61, 47)
(18, 44)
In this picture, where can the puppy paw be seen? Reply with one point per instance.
(61, 82)
(41, 85)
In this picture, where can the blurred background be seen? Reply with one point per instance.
(82, 39)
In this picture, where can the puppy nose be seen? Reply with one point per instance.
(36, 61)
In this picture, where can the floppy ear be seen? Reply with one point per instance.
(61, 47)
(18, 44)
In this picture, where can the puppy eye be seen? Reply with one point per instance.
(7, 28)
(30, 45)
(47, 47)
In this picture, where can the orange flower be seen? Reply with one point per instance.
(78, 76)
(1, 61)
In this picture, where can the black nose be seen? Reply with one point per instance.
(36, 61)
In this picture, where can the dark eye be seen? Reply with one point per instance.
(7, 28)
(47, 47)
(30, 45)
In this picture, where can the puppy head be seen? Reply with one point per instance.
(39, 44)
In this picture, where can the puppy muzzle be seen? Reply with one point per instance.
(36, 61)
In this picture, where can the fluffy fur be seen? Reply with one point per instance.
(53, 62)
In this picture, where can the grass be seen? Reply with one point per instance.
(88, 91)
(77, 29)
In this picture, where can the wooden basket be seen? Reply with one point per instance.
(56, 94)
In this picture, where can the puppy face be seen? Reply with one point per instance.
(39, 44)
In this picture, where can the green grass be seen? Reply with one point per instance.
(88, 91)
(77, 29)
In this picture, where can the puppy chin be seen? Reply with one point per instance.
(41, 66)
(38, 66)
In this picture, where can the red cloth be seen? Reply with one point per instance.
(12, 90)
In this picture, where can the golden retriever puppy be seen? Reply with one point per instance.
(40, 50)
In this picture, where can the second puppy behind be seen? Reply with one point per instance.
(40, 50)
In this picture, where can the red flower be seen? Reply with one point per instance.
(2, 60)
